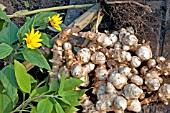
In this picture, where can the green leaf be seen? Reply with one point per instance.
(22, 77)
(73, 102)
(63, 104)
(3, 16)
(46, 40)
(42, 18)
(38, 91)
(8, 34)
(35, 57)
(64, 101)
(63, 26)
(5, 50)
(58, 108)
(32, 80)
(42, 27)
(33, 109)
(53, 111)
(6, 103)
(12, 33)
(9, 73)
(45, 106)
(25, 28)
(62, 82)
(72, 83)
(54, 86)
(74, 94)
(70, 110)
(19, 56)
(53, 29)
(8, 80)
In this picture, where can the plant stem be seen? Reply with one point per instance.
(24, 104)
(24, 13)
(40, 84)
(13, 54)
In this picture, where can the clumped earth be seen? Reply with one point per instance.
(148, 26)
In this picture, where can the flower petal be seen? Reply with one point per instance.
(58, 27)
(32, 39)
(55, 21)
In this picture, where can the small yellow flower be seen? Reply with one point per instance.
(32, 39)
(55, 21)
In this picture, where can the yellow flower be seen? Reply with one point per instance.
(32, 39)
(55, 21)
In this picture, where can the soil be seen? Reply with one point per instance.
(154, 26)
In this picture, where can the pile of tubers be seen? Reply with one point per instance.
(123, 70)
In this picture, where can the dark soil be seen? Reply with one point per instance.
(154, 26)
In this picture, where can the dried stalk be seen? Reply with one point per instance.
(28, 65)
(25, 12)
(98, 21)
(98, 18)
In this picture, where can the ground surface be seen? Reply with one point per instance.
(159, 35)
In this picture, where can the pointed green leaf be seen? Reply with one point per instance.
(64, 100)
(75, 94)
(22, 77)
(58, 108)
(54, 86)
(12, 33)
(6, 103)
(62, 82)
(8, 80)
(42, 18)
(73, 102)
(70, 110)
(38, 91)
(33, 109)
(5, 50)
(72, 83)
(8, 34)
(45, 106)
(46, 40)
(63, 104)
(32, 80)
(34, 56)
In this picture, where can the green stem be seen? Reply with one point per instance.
(25, 103)
(23, 96)
(24, 13)
(13, 54)
(40, 84)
